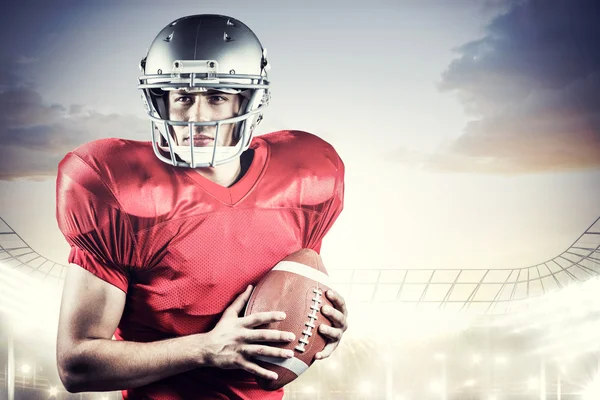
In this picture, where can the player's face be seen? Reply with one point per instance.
(203, 107)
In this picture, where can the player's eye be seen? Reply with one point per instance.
(216, 99)
(184, 100)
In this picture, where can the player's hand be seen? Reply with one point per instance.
(339, 321)
(233, 342)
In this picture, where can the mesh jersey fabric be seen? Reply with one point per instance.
(183, 247)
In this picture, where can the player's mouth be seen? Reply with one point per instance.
(199, 140)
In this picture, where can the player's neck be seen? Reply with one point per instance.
(228, 174)
(224, 174)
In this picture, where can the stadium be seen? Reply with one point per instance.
(496, 334)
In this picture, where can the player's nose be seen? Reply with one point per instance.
(199, 112)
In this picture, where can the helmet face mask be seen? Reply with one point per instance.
(197, 54)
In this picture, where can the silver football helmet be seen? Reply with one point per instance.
(198, 53)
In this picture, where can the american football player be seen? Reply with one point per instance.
(168, 236)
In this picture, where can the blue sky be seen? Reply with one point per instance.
(469, 130)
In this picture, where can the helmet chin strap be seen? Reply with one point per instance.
(197, 155)
(203, 155)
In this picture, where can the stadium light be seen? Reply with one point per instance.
(365, 387)
(28, 303)
(53, 391)
(500, 359)
(309, 389)
(592, 391)
(25, 368)
(532, 383)
(423, 324)
(563, 370)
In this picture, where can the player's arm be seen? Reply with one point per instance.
(88, 360)
(338, 314)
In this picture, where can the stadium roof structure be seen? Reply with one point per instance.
(15, 253)
(481, 291)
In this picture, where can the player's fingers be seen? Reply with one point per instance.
(334, 334)
(338, 319)
(329, 347)
(338, 301)
(254, 350)
(257, 369)
(261, 318)
(238, 304)
(269, 335)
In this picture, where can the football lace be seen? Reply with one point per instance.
(312, 317)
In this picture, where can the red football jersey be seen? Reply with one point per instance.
(183, 247)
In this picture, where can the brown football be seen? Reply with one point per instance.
(297, 286)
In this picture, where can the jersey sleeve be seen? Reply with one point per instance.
(329, 210)
(90, 218)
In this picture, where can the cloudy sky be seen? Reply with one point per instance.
(468, 130)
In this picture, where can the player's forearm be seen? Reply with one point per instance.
(106, 365)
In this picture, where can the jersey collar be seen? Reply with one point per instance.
(238, 191)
